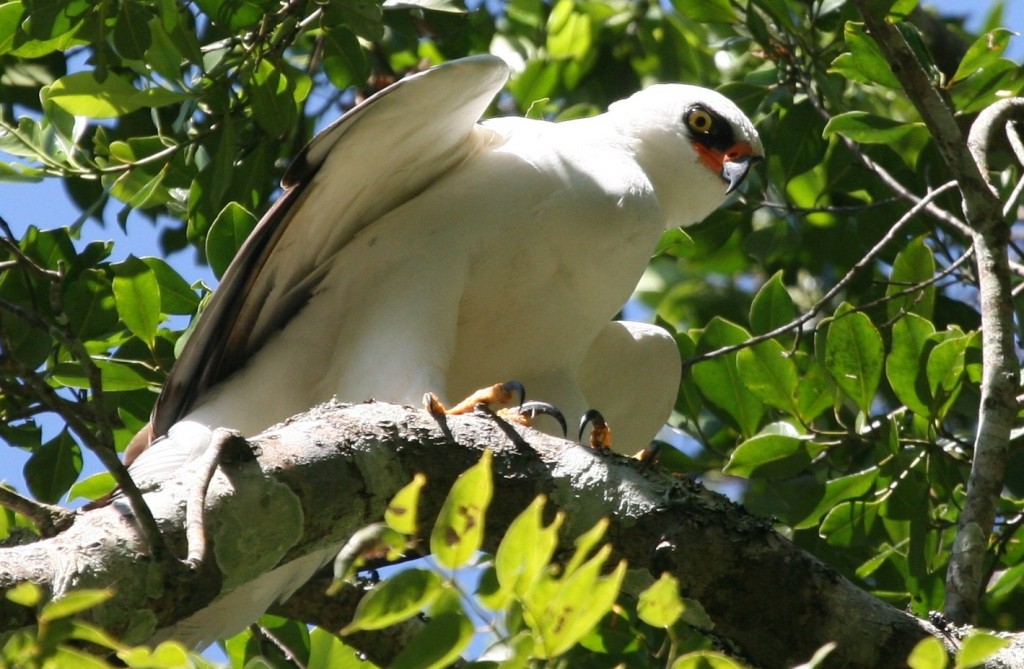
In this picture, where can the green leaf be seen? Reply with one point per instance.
(849, 524)
(719, 379)
(92, 487)
(438, 644)
(81, 94)
(235, 15)
(25, 594)
(799, 130)
(362, 17)
(999, 80)
(570, 33)
(854, 356)
(977, 648)
(459, 531)
(345, 61)
(227, 234)
(772, 307)
(73, 602)
(867, 128)
(864, 63)
(944, 370)
(114, 375)
(769, 456)
(402, 512)
(65, 656)
(928, 654)
(903, 367)
(706, 11)
(914, 265)
(706, 659)
(982, 53)
(526, 549)
(53, 467)
(569, 609)
(840, 490)
(273, 99)
(396, 599)
(176, 296)
(131, 30)
(770, 374)
(11, 14)
(50, 18)
(673, 242)
(137, 296)
(327, 651)
(660, 605)
(90, 305)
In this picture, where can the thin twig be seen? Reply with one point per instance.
(815, 309)
(98, 439)
(50, 520)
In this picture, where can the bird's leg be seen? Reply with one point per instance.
(499, 393)
(481, 400)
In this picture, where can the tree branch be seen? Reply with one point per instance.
(325, 474)
(967, 161)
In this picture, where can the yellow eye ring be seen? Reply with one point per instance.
(699, 121)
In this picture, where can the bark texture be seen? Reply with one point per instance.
(325, 474)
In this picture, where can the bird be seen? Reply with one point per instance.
(418, 249)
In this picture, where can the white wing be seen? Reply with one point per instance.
(387, 149)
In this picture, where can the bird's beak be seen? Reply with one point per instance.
(732, 164)
(736, 162)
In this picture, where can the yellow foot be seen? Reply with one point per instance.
(523, 413)
(499, 393)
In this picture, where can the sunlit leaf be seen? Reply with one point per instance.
(81, 94)
(458, 533)
(401, 514)
(137, 297)
(660, 605)
(73, 602)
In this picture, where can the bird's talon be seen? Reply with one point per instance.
(600, 433)
(530, 410)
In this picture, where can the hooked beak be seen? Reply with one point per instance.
(732, 164)
(734, 170)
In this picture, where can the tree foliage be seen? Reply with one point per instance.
(831, 318)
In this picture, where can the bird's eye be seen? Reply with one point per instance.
(699, 120)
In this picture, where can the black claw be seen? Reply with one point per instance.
(592, 416)
(535, 408)
(516, 387)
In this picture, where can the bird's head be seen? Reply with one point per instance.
(695, 145)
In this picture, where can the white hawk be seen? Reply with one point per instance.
(417, 249)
